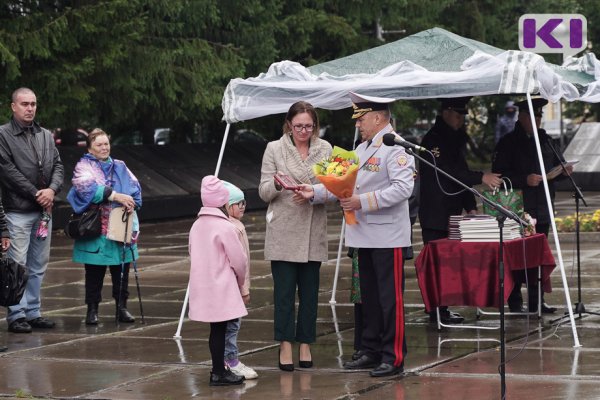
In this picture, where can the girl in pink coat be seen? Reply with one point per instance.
(219, 265)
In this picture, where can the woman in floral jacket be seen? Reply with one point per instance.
(100, 180)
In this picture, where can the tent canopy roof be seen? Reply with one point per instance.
(435, 50)
(430, 64)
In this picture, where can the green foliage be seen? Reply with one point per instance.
(22, 394)
(116, 63)
(130, 65)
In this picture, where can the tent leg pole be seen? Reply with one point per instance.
(553, 223)
(339, 255)
(187, 291)
(337, 264)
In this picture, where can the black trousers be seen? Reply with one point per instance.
(287, 277)
(358, 326)
(528, 277)
(216, 345)
(382, 289)
(94, 280)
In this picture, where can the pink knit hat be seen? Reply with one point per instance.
(213, 193)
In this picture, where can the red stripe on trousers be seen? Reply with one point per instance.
(399, 336)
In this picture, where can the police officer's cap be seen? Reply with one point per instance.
(458, 104)
(537, 103)
(362, 104)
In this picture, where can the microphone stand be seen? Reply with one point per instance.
(504, 213)
(579, 306)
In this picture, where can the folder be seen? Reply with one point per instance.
(120, 225)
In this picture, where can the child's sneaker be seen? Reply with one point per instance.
(243, 370)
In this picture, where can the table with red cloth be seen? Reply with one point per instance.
(455, 273)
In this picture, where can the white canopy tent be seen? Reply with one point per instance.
(430, 64)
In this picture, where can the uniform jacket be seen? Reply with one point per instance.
(448, 147)
(20, 177)
(515, 157)
(90, 180)
(295, 233)
(385, 182)
(218, 268)
(241, 231)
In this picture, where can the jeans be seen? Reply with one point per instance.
(34, 254)
(231, 333)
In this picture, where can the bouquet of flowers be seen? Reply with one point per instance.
(338, 174)
(529, 230)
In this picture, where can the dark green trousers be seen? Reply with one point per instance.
(287, 276)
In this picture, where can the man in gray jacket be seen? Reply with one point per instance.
(31, 174)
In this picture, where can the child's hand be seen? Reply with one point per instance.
(246, 299)
(5, 244)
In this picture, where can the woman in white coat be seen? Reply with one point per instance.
(296, 237)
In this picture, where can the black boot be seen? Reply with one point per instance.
(225, 378)
(122, 313)
(92, 314)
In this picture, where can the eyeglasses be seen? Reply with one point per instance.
(241, 204)
(309, 128)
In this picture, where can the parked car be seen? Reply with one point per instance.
(249, 137)
(70, 137)
(162, 136)
(133, 138)
(413, 134)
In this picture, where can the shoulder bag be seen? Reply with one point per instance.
(13, 279)
(88, 224)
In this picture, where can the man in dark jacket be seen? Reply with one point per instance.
(5, 243)
(31, 174)
(516, 158)
(447, 141)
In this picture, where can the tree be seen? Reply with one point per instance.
(115, 63)
(130, 65)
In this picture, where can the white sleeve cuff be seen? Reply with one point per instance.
(112, 196)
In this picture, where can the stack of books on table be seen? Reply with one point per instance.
(481, 228)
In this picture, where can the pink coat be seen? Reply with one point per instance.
(218, 268)
(241, 230)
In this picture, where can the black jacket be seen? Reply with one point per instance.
(448, 147)
(3, 226)
(29, 162)
(515, 157)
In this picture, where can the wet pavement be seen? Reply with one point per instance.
(144, 361)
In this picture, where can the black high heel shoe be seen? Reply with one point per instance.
(285, 367)
(304, 364)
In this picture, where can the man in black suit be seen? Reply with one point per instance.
(516, 158)
(447, 140)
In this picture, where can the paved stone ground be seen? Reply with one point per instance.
(143, 361)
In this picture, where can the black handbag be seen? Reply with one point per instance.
(88, 224)
(13, 279)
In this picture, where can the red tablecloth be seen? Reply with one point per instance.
(455, 273)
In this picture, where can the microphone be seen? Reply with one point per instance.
(390, 139)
